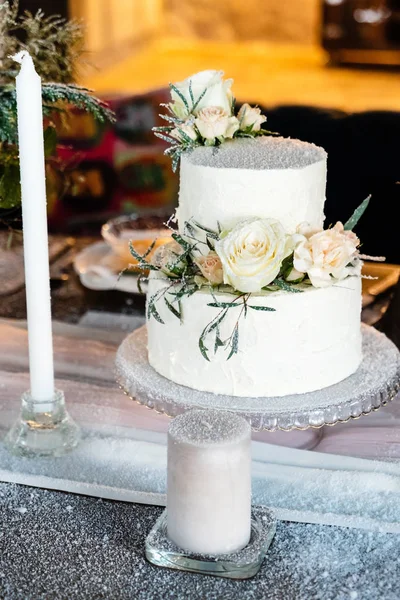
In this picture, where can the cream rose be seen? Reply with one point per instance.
(326, 255)
(167, 256)
(214, 122)
(250, 116)
(218, 93)
(187, 128)
(211, 267)
(252, 254)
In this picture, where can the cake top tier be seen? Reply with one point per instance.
(264, 153)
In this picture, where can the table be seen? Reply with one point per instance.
(70, 300)
(65, 547)
(56, 545)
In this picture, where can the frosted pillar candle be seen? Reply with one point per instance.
(209, 482)
(34, 217)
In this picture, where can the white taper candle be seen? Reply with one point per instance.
(209, 482)
(34, 219)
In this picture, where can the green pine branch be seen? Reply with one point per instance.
(56, 46)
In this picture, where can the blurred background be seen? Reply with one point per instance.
(325, 71)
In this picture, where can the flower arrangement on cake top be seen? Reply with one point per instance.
(202, 113)
(256, 256)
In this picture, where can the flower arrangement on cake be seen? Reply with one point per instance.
(257, 256)
(202, 113)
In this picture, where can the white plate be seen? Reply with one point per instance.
(99, 268)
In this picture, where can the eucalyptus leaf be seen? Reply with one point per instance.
(283, 285)
(224, 304)
(185, 290)
(164, 137)
(169, 119)
(357, 214)
(218, 343)
(175, 161)
(264, 308)
(163, 128)
(149, 249)
(152, 311)
(184, 136)
(174, 311)
(191, 92)
(212, 234)
(135, 253)
(141, 278)
(172, 150)
(182, 242)
(210, 244)
(234, 342)
(188, 229)
(181, 96)
(203, 349)
(199, 99)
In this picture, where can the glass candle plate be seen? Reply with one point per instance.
(243, 564)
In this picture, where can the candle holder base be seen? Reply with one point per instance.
(43, 428)
(243, 564)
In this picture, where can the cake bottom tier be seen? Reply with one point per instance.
(310, 341)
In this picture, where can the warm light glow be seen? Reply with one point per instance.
(274, 58)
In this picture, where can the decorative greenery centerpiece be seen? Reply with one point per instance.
(202, 113)
(55, 46)
(258, 257)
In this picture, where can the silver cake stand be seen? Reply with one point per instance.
(375, 383)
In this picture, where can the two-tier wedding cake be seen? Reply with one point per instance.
(252, 297)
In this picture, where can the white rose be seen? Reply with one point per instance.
(214, 122)
(252, 254)
(218, 93)
(326, 255)
(250, 116)
(188, 129)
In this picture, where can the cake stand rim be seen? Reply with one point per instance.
(260, 420)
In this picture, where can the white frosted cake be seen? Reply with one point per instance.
(253, 297)
(313, 338)
(270, 177)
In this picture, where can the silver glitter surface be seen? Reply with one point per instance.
(57, 546)
(260, 153)
(208, 428)
(375, 383)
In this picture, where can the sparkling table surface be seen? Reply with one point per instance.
(56, 546)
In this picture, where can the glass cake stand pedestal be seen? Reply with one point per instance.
(374, 384)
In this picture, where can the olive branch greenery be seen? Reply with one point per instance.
(183, 142)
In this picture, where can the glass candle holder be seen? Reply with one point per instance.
(43, 428)
(242, 564)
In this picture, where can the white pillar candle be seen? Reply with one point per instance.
(209, 482)
(34, 219)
